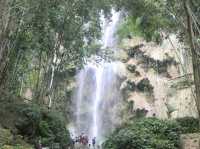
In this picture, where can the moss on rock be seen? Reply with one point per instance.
(5, 136)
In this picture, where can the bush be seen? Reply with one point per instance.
(188, 124)
(149, 133)
(145, 86)
(131, 68)
(143, 26)
(140, 113)
(128, 28)
(131, 85)
(37, 123)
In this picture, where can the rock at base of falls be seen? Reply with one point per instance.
(80, 146)
(190, 141)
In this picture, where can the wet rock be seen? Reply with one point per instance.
(80, 146)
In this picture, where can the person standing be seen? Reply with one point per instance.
(94, 142)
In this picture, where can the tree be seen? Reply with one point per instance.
(43, 39)
(150, 16)
(155, 16)
(194, 50)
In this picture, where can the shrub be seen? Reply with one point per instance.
(139, 113)
(131, 68)
(146, 133)
(128, 28)
(131, 85)
(188, 124)
(35, 123)
(145, 86)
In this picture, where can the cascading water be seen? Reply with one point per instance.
(98, 90)
(109, 29)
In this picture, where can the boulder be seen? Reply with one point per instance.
(190, 141)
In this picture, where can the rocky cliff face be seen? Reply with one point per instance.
(158, 77)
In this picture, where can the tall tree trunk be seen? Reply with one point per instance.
(37, 90)
(7, 25)
(195, 56)
(52, 78)
(51, 84)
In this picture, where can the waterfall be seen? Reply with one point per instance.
(98, 89)
(109, 30)
(97, 100)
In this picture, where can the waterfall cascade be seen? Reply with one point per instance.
(98, 89)
(98, 102)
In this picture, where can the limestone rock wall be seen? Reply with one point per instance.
(158, 77)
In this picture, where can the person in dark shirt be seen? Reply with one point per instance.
(94, 141)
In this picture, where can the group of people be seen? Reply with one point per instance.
(84, 140)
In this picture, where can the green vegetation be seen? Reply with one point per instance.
(131, 85)
(44, 42)
(145, 18)
(188, 124)
(36, 123)
(142, 86)
(33, 123)
(150, 133)
(145, 85)
(155, 17)
(15, 147)
(128, 27)
(49, 38)
(131, 68)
